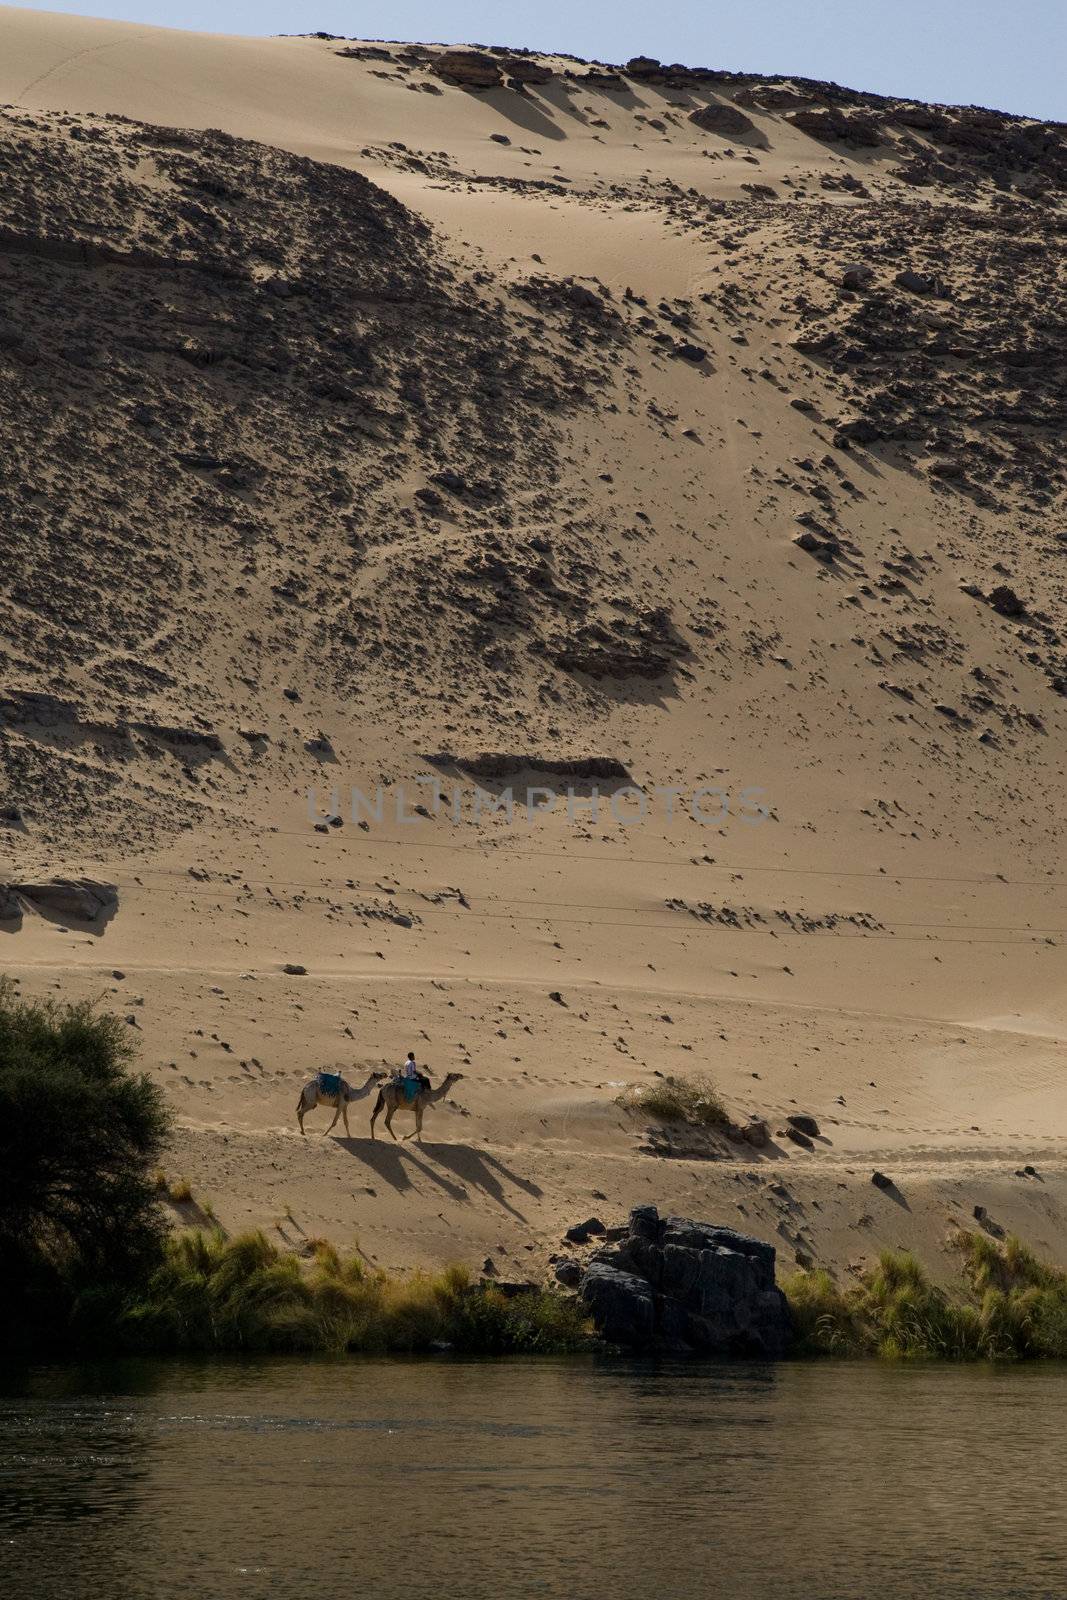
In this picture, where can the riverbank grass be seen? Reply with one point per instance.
(1009, 1307)
(211, 1294)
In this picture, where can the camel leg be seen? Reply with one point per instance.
(418, 1122)
(336, 1114)
(344, 1114)
(300, 1112)
(389, 1121)
(374, 1114)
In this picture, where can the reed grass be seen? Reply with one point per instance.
(1009, 1306)
(212, 1294)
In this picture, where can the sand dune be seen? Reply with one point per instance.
(358, 426)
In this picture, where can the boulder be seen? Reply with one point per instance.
(722, 118)
(1004, 599)
(675, 1284)
(915, 282)
(79, 899)
(569, 1272)
(621, 1304)
(468, 69)
(806, 1123)
(524, 71)
(856, 276)
(835, 125)
(10, 905)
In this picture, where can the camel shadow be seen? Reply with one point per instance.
(391, 1163)
(385, 1160)
(478, 1170)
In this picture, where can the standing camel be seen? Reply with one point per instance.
(322, 1093)
(392, 1097)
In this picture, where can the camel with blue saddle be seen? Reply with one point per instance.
(330, 1089)
(409, 1094)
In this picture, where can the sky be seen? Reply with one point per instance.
(1010, 56)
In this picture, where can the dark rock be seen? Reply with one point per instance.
(756, 1133)
(582, 1231)
(524, 71)
(569, 1273)
(80, 899)
(689, 352)
(856, 276)
(796, 1136)
(621, 1304)
(806, 1123)
(10, 905)
(858, 430)
(294, 969)
(880, 1181)
(500, 138)
(1006, 601)
(678, 1284)
(468, 69)
(914, 282)
(723, 119)
(833, 125)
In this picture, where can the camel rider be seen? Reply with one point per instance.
(412, 1079)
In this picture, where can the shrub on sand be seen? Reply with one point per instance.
(692, 1099)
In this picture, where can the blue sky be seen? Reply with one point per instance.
(987, 52)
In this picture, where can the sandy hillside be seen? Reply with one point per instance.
(371, 413)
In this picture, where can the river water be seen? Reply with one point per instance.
(583, 1479)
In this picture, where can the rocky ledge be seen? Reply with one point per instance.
(671, 1284)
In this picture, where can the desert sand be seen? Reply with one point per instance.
(360, 424)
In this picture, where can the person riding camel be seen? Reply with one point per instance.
(412, 1078)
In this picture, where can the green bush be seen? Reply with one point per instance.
(1009, 1307)
(79, 1136)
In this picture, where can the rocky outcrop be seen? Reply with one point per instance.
(831, 124)
(79, 899)
(722, 118)
(467, 69)
(675, 1284)
(524, 71)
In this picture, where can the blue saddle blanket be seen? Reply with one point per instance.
(411, 1087)
(329, 1083)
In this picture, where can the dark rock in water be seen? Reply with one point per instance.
(675, 1284)
(621, 1303)
(79, 899)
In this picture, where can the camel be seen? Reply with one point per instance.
(392, 1097)
(313, 1094)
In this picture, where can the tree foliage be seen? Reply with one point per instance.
(79, 1134)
